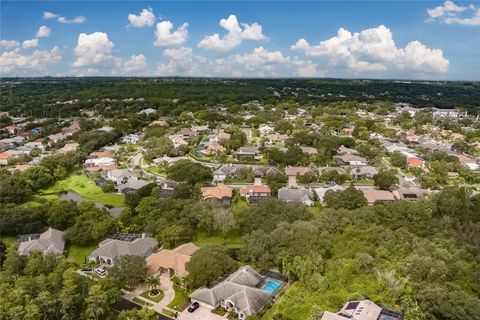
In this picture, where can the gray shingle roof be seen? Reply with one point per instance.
(51, 241)
(111, 248)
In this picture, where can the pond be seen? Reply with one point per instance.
(75, 197)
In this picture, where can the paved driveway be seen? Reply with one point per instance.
(201, 313)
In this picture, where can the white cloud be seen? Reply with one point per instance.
(236, 33)
(9, 44)
(49, 15)
(145, 18)
(166, 37)
(43, 31)
(450, 13)
(12, 62)
(92, 48)
(260, 62)
(136, 63)
(76, 20)
(32, 43)
(374, 50)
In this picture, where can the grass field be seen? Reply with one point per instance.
(86, 188)
(232, 241)
(158, 170)
(78, 254)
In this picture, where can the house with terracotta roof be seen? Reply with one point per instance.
(255, 192)
(293, 172)
(373, 195)
(171, 262)
(220, 193)
(5, 157)
(414, 162)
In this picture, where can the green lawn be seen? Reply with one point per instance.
(78, 254)
(232, 241)
(157, 298)
(158, 170)
(180, 301)
(85, 187)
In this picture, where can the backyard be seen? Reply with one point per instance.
(79, 254)
(83, 186)
(232, 241)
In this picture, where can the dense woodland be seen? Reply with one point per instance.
(37, 97)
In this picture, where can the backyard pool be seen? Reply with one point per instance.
(272, 285)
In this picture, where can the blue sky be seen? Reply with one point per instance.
(351, 39)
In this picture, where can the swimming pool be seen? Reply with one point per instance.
(272, 285)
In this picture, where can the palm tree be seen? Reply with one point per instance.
(153, 284)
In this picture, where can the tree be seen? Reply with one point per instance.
(398, 160)
(138, 314)
(385, 180)
(223, 220)
(108, 186)
(153, 284)
(189, 172)
(170, 235)
(207, 265)
(349, 198)
(129, 270)
(62, 214)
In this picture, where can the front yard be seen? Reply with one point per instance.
(157, 298)
(181, 300)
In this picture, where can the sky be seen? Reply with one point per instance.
(431, 40)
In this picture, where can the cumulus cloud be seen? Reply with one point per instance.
(43, 31)
(32, 43)
(374, 50)
(137, 63)
(92, 48)
(145, 18)
(450, 13)
(165, 36)
(76, 20)
(260, 62)
(49, 15)
(13, 62)
(9, 44)
(236, 33)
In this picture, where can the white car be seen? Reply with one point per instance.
(101, 272)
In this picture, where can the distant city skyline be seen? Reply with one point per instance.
(430, 40)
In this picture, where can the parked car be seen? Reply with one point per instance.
(194, 306)
(101, 272)
(86, 269)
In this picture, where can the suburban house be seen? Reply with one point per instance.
(363, 172)
(51, 241)
(186, 133)
(119, 176)
(147, 111)
(350, 159)
(123, 244)
(244, 292)
(131, 138)
(167, 188)
(69, 147)
(322, 191)
(309, 150)
(373, 195)
(177, 141)
(255, 192)
(449, 113)
(224, 172)
(414, 162)
(468, 162)
(246, 152)
(220, 193)
(132, 185)
(171, 262)
(276, 138)
(95, 162)
(292, 172)
(411, 194)
(362, 310)
(5, 157)
(344, 150)
(301, 195)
